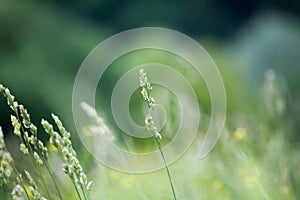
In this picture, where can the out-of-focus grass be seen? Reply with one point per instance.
(252, 160)
(257, 156)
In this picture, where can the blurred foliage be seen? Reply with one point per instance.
(42, 45)
(41, 50)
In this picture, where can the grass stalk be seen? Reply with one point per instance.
(76, 189)
(146, 93)
(166, 167)
(52, 177)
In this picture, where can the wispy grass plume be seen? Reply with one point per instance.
(146, 88)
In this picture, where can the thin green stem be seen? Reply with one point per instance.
(21, 180)
(52, 177)
(43, 181)
(166, 167)
(85, 193)
(23, 185)
(77, 191)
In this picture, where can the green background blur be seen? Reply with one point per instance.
(43, 43)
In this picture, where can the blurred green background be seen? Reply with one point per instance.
(255, 44)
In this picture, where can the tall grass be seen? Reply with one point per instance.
(254, 159)
(37, 152)
(146, 88)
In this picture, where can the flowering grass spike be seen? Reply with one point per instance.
(146, 88)
(35, 149)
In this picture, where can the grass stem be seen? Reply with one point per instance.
(52, 177)
(166, 167)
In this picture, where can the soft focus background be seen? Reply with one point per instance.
(255, 44)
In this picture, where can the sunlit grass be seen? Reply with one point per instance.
(252, 160)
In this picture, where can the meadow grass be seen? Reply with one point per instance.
(37, 152)
(254, 159)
